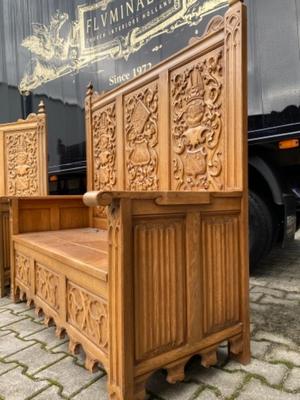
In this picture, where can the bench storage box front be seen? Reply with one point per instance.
(153, 269)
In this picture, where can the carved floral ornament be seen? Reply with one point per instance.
(89, 315)
(141, 130)
(22, 266)
(197, 125)
(22, 163)
(47, 286)
(104, 151)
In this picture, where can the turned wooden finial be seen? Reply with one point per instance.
(90, 89)
(41, 107)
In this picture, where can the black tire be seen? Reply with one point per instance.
(260, 229)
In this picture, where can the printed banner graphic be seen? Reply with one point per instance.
(108, 29)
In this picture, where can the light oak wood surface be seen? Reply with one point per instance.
(153, 268)
(23, 172)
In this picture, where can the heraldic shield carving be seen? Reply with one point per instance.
(197, 124)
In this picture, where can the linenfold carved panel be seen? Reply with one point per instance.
(22, 269)
(159, 317)
(22, 163)
(47, 286)
(89, 314)
(141, 137)
(221, 255)
(197, 124)
(104, 151)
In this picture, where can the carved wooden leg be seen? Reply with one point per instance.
(22, 295)
(90, 363)
(74, 347)
(60, 332)
(209, 358)
(239, 349)
(30, 302)
(38, 312)
(48, 321)
(15, 294)
(176, 373)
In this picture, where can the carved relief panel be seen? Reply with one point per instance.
(22, 163)
(89, 314)
(141, 138)
(197, 124)
(22, 269)
(104, 151)
(47, 286)
(160, 319)
(221, 266)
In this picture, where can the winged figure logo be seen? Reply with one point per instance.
(59, 49)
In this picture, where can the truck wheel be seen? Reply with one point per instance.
(260, 229)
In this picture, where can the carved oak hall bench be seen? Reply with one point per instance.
(155, 269)
(23, 172)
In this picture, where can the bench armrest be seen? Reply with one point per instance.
(105, 198)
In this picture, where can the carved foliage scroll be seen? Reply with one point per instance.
(22, 269)
(47, 286)
(197, 124)
(104, 151)
(89, 314)
(141, 130)
(22, 163)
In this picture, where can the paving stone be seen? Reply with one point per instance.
(4, 367)
(4, 301)
(226, 382)
(273, 337)
(259, 349)
(180, 391)
(293, 380)
(52, 393)
(206, 395)
(69, 375)
(290, 285)
(4, 333)
(255, 390)
(275, 300)
(265, 290)
(256, 281)
(35, 357)
(273, 373)
(254, 297)
(11, 344)
(285, 355)
(48, 338)
(17, 307)
(31, 313)
(97, 390)
(258, 308)
(293, 296)
(25, 327)
(62, 348)
(7, 318)
(16, 386)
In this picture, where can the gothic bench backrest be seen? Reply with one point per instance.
(181, 126)
(23, 156)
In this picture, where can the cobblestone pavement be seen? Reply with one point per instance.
(34, 364)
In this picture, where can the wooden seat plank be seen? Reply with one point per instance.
(73, 246)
